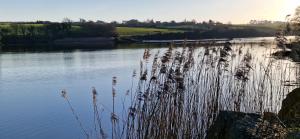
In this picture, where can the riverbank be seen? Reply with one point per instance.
(95, 43)
(237, 125)
(65, 44)
(77, 35)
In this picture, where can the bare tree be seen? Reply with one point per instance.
(67, 20)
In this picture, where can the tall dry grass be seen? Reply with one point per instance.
(180, 93)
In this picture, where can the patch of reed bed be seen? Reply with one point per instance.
(181, 91)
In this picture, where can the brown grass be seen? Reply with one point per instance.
(185, 88)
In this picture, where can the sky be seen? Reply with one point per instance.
(234, 11)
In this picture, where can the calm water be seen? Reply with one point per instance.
(30, 85)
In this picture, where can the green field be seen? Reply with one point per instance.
(8, 25)
(4, 26)
(138, 31)
(141, 31)
(122, 31)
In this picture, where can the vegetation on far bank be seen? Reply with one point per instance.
(292, 26)
(14, 33)
(203, 30)
(142, 31)
(46, 31)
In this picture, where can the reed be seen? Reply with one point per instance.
(185, 90)
(180, 93)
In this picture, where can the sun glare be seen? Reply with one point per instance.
(290, 6)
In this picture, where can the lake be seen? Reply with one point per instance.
(31, 105)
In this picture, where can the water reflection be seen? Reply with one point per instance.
(30, 84)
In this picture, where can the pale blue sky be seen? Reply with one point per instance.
(236, 11)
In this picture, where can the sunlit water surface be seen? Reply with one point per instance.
(30, 84)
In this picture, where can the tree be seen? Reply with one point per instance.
(82, 21)
(31, 31)
(15, 28)
(114, 23)
(66, 25)
(211, 22)
(132, 23)
(1, 34)
(173, 23)
(53, 30)
(67, 20)
(23, 30)
(296, 21)
(100, 22)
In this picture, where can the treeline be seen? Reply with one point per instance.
(159, 24)
(45, 31)
(264, 22)
(205, 29)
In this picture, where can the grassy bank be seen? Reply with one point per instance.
(121, 31)
(199, 31)
(139, 31)
(46, 32)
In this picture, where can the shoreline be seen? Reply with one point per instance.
(95, 43)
